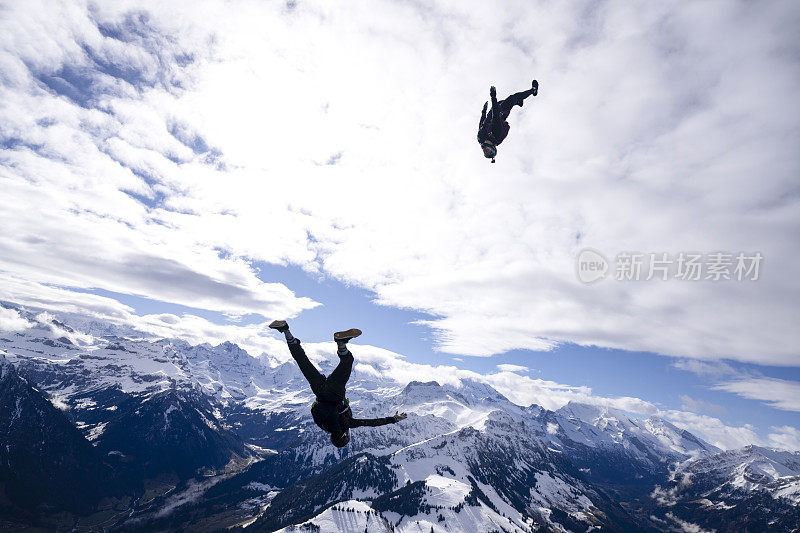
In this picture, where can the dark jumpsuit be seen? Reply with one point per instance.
(493, 126)
(331, 411)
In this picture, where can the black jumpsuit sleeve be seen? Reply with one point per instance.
(497, 115)
(372, 422)
(482, 124)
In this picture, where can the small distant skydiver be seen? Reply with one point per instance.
(493, 127)
(331, 411)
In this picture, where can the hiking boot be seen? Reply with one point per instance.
(344, 336)
(280, 325)
(535, 87)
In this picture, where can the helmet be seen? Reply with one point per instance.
(341, 440)
(489, 150)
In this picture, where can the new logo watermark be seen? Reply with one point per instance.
(592, 266)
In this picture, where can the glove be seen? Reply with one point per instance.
(492, 92)
(397, 417)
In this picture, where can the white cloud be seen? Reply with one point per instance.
(524, 390)
(373, 361)
(777, 393)
(714, 369)
(505, 367)
(687, 527)
(254, 338)
(209, 152)
(56, 330)
(10, 320)
(713, 429)
(88, 311)
(700, 406)
(79, 141)
(785, 437)
(51, 298)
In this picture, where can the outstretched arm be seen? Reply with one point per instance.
(373, 422)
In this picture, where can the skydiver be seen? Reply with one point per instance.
(493, 127)
(331, 411)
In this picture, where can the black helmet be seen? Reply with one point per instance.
(341, 440)
(489, 150)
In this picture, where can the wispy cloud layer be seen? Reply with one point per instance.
(778, 393)
(700, 406)
(160, 149)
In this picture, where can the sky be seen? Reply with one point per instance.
(197, 170)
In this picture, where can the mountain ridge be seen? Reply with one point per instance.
(465, 455)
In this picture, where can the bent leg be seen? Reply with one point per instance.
(334, 388)
(315, 379)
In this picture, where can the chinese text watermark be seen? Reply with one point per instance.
(593, 266)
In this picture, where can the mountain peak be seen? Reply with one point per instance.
(414, 385)
(480, 388)
(228, 346)
(590, 412)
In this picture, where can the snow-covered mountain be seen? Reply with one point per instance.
(752, 485)
(747, 470)
(208, 437)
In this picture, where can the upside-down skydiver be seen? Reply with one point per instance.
(331, 411)
(493, 127)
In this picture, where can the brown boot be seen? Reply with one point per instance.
(344, 336)
(280, 325)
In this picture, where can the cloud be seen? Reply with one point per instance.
(505, 367)
(700, 406)
(523, 390)
(665, 497)
(154, 154)
(95, 313)
(91, 313)
(687, 527)
(778, 393)
(785, 437)
(92, 161)
(51, 298)
(638, 149)
(714, 430)
(256, 339)
(714, 369)
(10, 320)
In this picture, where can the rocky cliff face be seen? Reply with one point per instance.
(45, 461)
